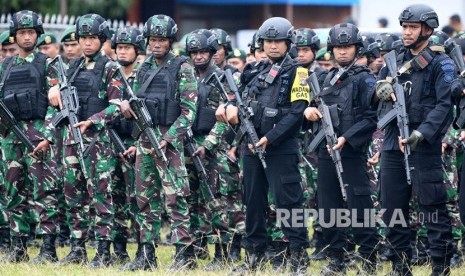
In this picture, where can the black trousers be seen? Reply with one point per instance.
(282, 179)
(428, 186)
(358, 199)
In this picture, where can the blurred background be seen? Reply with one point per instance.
(238, 17)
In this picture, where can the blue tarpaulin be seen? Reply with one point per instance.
(281, 2)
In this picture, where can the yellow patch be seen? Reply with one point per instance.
(300, 88)
(48, 39)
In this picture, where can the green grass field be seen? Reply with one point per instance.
(164, 254)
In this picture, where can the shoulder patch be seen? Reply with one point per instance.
(448, 67)
(300, 88)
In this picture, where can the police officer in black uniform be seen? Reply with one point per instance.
(278, 93)
(429, 110)
(351, 97)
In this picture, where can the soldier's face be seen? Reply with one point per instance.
(51, 50)
(220, 55)
(305, 55)
(237, 62)
(326, 64)
(10, 50)
(260, 55)
(411, 31)
(26, 39)
(274, 49)
(72, 50)
(200, 57)
(344, 54)
(126, 52)
(90, 44)
(159, 46)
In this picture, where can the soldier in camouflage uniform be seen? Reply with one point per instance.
(71, 48)
(128, 44)
(27, 75)
(169, 88)
(208, 134)
(224, 50)
(97, 82)
(9, 46)
(4, 224)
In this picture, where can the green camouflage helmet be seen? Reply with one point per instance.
(162, 26)
(69, 35)
(26, 20)
(201, 39)
(307, 37)
(6, 39)
(223, 39)
(93, 24)
(128, 35)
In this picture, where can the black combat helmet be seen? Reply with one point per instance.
(129, 35)
(93, 24)
(162, 26)
(420, 13)
(370, 47)
(385, 41)
(26, 20)
(201, 39)
(307, 37)
(276, 28)
(344, 34)
(254, 44)
(439, 37)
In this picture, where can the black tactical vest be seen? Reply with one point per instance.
(342, 98)
(271, 102)
(23, 90)
(205, 118)
(160, 95)
(87, 83)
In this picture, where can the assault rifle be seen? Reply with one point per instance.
(69, 110)
(143, 123)
(455, 53)
(189, 143)
(119, 144)
(399, 111)
(327, 132)
(9, 122)
(245, 112)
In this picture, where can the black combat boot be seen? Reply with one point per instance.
(184, 258)
(319, 253)
(102, 257)
(456, 260)
(235, 250)
(401, 266)
(276, 254)
(299, 261)
(5, 242)
(421, 254)
(220, 259)
(120, 255)
(336, 265)
(78, 254)
(441, 267)
(200, 246)
(254, 260)
(63, 236)
(145, 259)
(48, 253)
(18, 251)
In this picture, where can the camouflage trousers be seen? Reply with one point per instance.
(210, 208)
(82, 194)
(309, 174)
(58, 149)
(151, 181)
(230, 188)
(25, 176)
(122, 188)
(3, 217)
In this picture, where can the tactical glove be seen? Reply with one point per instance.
(415, 138)
(384, 90)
